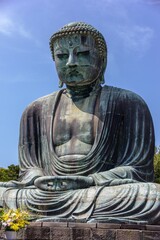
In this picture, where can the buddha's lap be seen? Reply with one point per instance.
(129, 192)
(122, 193)
(101, 195)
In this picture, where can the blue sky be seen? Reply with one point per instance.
(131, 30)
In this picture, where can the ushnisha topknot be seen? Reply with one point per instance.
(84, 29)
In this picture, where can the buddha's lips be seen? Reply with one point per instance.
(72, 72)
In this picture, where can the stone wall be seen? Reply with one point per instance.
(89, 231)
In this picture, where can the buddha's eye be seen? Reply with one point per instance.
(83, 54)
(62, 56)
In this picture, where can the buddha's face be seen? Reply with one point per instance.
(77, 60)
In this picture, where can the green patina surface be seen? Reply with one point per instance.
(86, 151)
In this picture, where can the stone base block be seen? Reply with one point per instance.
(89, 231)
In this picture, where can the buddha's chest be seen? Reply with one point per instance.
(75, 120)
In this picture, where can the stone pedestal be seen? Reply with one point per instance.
(89, 231)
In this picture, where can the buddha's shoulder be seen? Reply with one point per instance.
(122, 94)
(38, 104)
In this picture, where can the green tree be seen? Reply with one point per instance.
(10, 173)
(157, 164)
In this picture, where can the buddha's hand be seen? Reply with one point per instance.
(59, 183)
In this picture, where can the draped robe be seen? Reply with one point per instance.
(120, 162)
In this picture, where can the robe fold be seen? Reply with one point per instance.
(120, 162)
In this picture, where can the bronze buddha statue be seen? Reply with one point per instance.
(86, 151)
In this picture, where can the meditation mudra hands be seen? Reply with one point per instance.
(59, 183)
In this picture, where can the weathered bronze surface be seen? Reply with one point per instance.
(86, 151)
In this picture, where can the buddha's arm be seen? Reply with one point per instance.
(134, 148)
(116, 176)
(30, 159)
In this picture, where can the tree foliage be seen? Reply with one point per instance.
(10, 173)
(157, 164)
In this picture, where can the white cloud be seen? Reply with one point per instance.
(9, 27)
(24, 33)
(136, 39)
(6, 25)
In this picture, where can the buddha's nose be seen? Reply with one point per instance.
(72, 60)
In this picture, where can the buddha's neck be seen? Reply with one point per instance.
(79, 92)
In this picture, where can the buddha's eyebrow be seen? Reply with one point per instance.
(59, 49)
(83, 48)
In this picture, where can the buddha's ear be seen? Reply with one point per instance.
(60, 84)
(103, 64)
(102, 81)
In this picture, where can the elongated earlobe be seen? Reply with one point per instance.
(102, 81)
(60, 84)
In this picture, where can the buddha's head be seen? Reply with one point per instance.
(80, 54)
